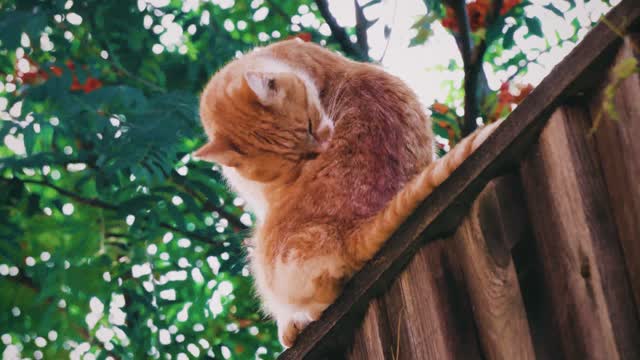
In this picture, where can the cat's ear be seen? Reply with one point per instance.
(219, 151)
(263, 85)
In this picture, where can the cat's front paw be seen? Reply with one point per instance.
(288, 330)
(287, 334)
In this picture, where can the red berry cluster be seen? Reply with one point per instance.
(440, 108)
(37, 75)
(506, 99)
(477, 11)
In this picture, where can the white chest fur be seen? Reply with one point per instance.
(252, 192)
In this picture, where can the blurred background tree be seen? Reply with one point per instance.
(113, 243)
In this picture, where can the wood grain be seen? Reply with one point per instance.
(428, 308)
(577, 243)
(372, 339)
(443, 209)
(618, 147)
(482, 243)
(537, 301)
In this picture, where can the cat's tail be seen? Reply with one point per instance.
(369, 238)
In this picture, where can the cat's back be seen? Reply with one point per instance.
(382, 136)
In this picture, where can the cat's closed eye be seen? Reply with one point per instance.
(310, 126)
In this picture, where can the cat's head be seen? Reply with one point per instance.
(262, 120)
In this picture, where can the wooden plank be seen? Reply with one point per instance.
(537, 302)
(482, 243)
(372, 339)
(428, 308)
(577, 243)
(619, 153)
(425, 314)
(440, 211)
(579, 307)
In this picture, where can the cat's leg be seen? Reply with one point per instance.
(289, 320)
(290, 325)
(306, 287)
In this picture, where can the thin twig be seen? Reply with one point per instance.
(145, 82)
(393, 23)
(208, 205)
(107, 206)
(396, 354)
(113, 60)
(93, 202)
(619, 30)
(528, 62)
(339, 33)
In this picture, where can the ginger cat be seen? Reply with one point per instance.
(331, 155)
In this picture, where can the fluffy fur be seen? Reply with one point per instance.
(331, 155)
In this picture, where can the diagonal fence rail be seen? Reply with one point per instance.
(545, 263)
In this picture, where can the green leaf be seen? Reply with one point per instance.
(453, 65)
(554, 9)
(625, 68)
(432, 4)
(177, 216)
(508, 41)
(422, 21)
(421, 37)
(423, 25)
(14, 23)
(535, 28)
(29, 139)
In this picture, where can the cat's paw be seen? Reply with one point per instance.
(289, 330)
(287, 334)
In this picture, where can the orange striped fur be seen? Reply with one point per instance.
(331, 155)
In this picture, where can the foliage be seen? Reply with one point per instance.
(494, 46)
(113, 242)
(620, 72)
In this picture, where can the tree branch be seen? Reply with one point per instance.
(465, 45)
(114, 60)
(82, 200)
(463, 38)
(475, 79)
(202, 238)
(208, 205)
(339, 34)
(362, 25)
(479, 51)
(107, 206)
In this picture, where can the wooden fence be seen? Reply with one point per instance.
(545, 263)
